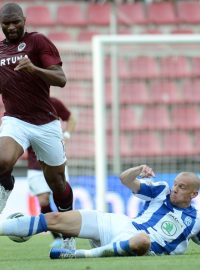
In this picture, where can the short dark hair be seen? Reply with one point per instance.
(10, 8)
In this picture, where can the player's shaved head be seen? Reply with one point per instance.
(11, 8)
(192, 180)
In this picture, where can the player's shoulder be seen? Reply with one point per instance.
(150, 182)
(162, 187)
(35, 35)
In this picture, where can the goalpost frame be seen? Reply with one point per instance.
(98, 43)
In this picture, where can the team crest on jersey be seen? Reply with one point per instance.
(21, 46)
(188, 221)
(168, 228)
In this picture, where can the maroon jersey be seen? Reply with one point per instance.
(25, 95)
(64, 114)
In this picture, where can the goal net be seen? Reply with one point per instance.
(136, 101)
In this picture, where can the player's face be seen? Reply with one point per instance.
(182, 192)
(12, 26)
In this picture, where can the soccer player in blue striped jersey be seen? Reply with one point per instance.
(164, 226)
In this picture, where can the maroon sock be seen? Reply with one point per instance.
(46, 209)
(64, 200)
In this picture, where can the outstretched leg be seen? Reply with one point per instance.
(70, 223)
(67, 223)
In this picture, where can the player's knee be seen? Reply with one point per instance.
(5, 165)
(140, 244)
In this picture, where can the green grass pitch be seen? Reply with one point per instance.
(33, 255)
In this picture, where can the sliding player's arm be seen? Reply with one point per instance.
(129, 177)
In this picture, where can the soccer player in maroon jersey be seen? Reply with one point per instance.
(29, 64)
(37, 183)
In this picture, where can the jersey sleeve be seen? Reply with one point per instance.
(150, 190)
(47, 51)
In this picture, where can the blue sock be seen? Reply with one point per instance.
(122, 248)
(37, 225)
(23, 226)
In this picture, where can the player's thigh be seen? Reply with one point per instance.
(101, 227)
(10, 150)
(13, 139)
(114, 227)
(89, 225)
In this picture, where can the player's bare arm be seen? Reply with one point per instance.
(129, 177)
(53, 75)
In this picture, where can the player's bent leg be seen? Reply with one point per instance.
(62, 195)
(62, 191)
(135, 246)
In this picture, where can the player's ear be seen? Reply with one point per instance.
(24, 19)
(194, 194)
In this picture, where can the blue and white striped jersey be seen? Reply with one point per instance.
(169, 227)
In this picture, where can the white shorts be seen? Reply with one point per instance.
(37, 183)
(106, 228)
(46, 140)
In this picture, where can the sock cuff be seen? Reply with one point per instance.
(126, 247)
(42, 222)
(37, 224)
(123, 248)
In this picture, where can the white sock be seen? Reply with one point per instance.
(120, 248)
(23, 226)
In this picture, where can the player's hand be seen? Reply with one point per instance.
(146, 171)
(25, 64)
(67, 135)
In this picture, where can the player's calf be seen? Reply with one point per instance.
(6, 186)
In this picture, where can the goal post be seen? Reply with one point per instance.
(99, 47)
